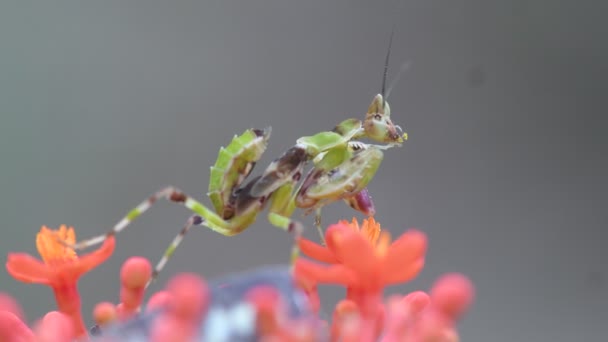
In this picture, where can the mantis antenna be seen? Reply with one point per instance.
(386, 60)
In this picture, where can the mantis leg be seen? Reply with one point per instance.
(209, 218)
(318, 225)
(281, 208)
(194, 220)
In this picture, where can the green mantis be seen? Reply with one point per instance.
(342, 167)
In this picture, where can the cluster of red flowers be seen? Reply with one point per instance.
(364, 260)
(361, 258)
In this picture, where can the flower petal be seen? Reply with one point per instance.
(316, 251)
(28, 269)
(352, 250)
(90, 261)
(410, 247)
(406, 273)
(334, 274)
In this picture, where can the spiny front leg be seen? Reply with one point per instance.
(173, 194)
(347, 182)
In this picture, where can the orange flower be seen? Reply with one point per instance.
(363, 258)
(60, 269)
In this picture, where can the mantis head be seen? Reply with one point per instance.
(378, 125)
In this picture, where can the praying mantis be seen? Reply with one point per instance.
(342, 167)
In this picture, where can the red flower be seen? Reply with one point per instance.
(363, 258)
(60, 269)
(430, 317)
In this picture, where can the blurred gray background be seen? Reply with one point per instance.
(104, 102)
